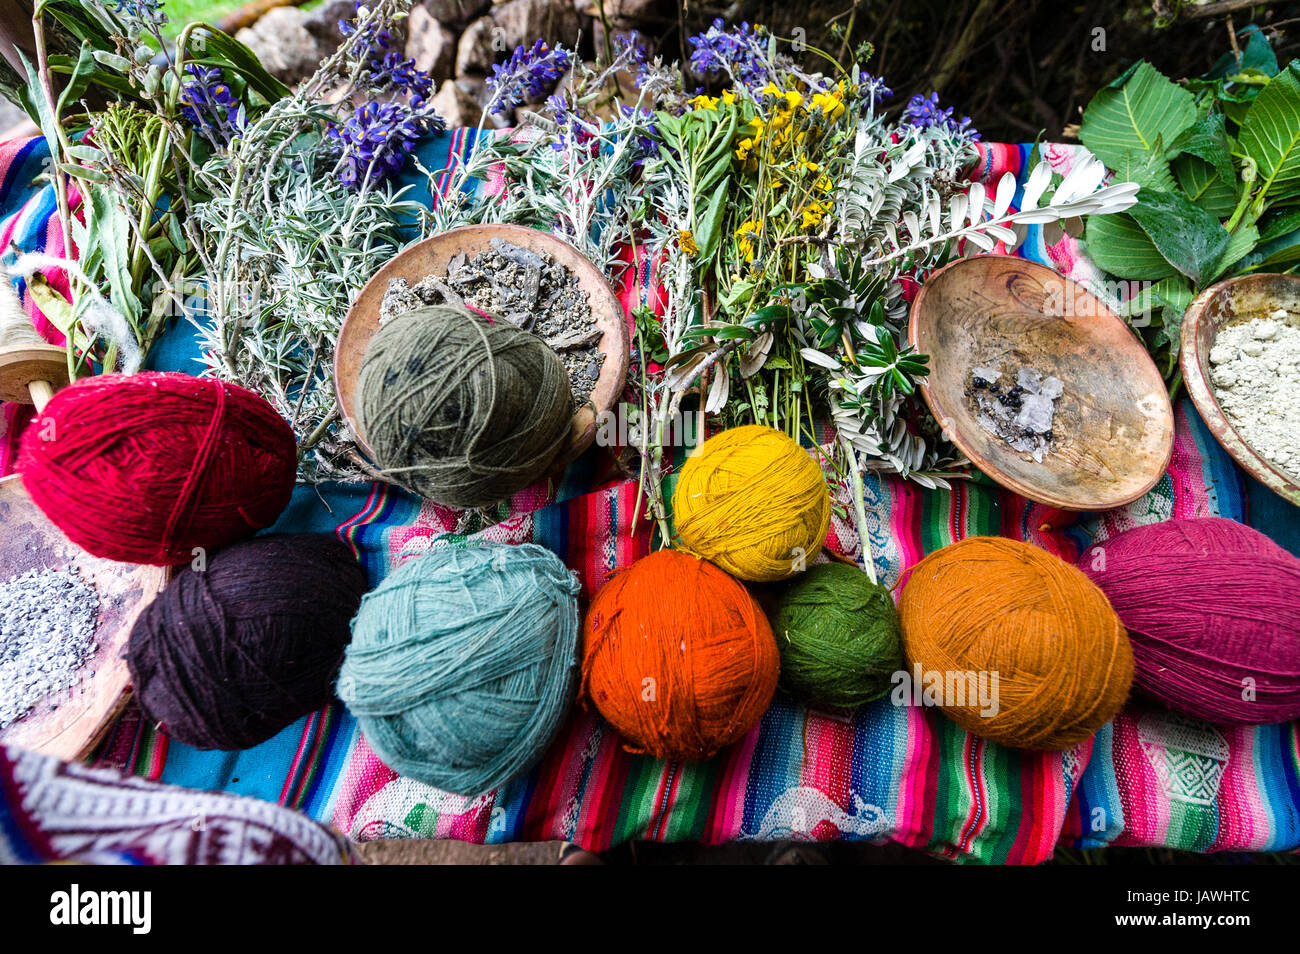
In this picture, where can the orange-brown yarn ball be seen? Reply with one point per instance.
(678, 657)
(988, 604)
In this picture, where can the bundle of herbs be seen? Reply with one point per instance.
(787, 215)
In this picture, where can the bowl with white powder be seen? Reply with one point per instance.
(64, 619)
(1240, 359)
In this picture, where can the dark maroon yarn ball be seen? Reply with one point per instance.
(229, 655)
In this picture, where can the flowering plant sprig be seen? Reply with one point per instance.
(527, 75)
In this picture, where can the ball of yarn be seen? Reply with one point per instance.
(678, 657)
(463, 663)
(838, 636)
(753, 502)
(992, 605)
(228, 655)
(461, 410)
(1213, 609)
(144, 468)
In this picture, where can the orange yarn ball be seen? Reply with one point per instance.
(988, 604)
(678, 657)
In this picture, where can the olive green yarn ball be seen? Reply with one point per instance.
(838, 635)
(461, 410)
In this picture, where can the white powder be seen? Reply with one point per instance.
(1256, 377)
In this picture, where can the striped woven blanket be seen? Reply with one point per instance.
(888, 773)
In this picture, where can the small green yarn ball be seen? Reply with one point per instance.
(839, 636)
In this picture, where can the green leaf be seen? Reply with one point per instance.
(1270, 133)
(1241, 242)
(218, 46)
(733, 331)
(1119, 246)
(1203, 184)
(1207, 139)
(708, 231)
(1150, 170)
(1189, 238)
(1134, 116)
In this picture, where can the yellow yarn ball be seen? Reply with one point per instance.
(753, 502)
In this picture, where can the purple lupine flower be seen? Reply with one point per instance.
(645, 141)
(210, 106)
(392, 71)
(741, 50)
(626, 45)
(874, 89)
(527, 74)
(374, 143)
(924, 112)
(148, 12)
(574, 131)
(376, 38)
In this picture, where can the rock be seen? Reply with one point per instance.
(522, 22)
(647, 18)
(476, 51)
(284, 45)
(454, 13)
(457, 106)
(430, 44)
(323, 21)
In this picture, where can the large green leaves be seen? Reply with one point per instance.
(1136, 113)
(1118, 245)
(1190, 239)
(1270, 134)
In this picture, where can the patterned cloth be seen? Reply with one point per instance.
(903, 774)
(51, 811)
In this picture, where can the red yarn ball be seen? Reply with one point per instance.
(144, 468)
(1211, 607)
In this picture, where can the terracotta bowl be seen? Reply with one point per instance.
(1228, 302)
(1113, 429)
(72, 722)
(431, 257)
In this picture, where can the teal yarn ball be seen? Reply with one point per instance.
(463, 663)
(838, 634)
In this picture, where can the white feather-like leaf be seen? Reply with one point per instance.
(1037, 182)
(976, 197)
(1006, 192)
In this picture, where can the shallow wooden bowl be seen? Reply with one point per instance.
(1113, 430)
(1228, 302)
(431, 257)
(71, 723)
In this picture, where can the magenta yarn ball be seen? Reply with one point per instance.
(1213, 611)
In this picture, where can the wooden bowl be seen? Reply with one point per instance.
(431, 257)
(72, 722)
(1113, 430)
(1237, 299)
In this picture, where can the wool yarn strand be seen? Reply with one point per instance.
(463, 663)
(460, 410)
(990, 604)
(678, 657)
(754, 502)
(1213, 609)
(228, 655)
(144, 468)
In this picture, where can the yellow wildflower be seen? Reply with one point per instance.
(830, 103)
(824, 184)
(729, 97)
(813, 213)
(703, 102)
(743, 148)
(804, 164)
(745, 236)
(687, 241)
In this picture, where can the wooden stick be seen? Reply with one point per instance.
(1223, 6)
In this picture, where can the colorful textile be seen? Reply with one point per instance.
(898, 773)
(51, 811)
